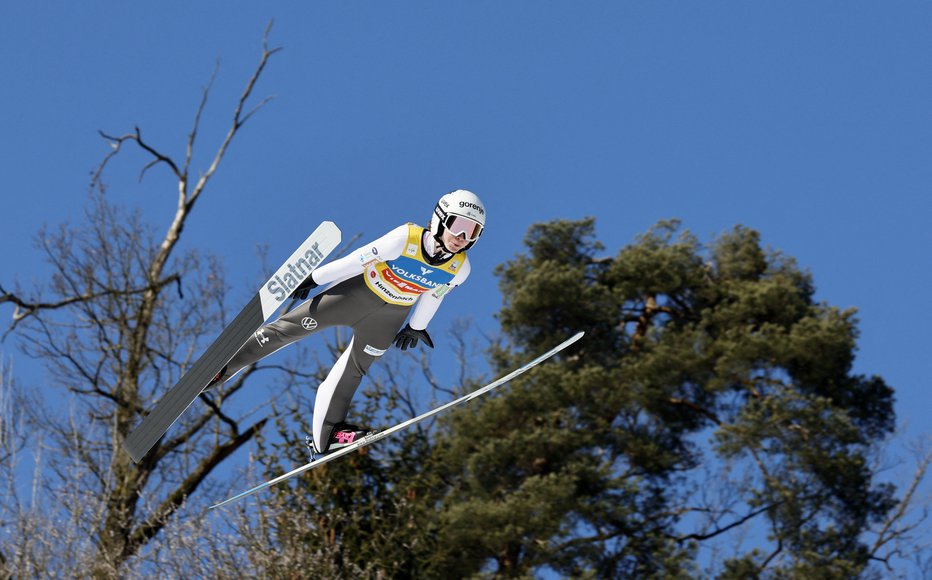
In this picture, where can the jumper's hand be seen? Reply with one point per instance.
(301, 292)
(408, 337)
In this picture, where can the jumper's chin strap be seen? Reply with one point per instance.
(440, 254)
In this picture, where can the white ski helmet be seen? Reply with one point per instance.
(461, 212)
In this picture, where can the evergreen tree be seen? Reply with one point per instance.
(694, 357)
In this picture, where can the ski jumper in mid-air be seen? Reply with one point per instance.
(409, 270)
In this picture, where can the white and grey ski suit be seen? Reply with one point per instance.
(374, 289)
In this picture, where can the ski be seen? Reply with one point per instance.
(260, 308)
(373, 437)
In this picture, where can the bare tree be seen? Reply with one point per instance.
(901, 540)
(116, 331)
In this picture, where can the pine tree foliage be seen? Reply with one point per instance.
(693, 356)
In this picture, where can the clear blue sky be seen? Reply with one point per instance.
(808, 121)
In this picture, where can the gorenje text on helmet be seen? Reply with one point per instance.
(474, 206)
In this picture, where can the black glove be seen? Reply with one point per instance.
(301, 292)
(409, 337)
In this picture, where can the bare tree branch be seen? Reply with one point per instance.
(893, 528)
(160, 516)
(192, 137)
(721, 530)
(238, 119)
(25, 308)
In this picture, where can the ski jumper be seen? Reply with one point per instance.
(374, 290)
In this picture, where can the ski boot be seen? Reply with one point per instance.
(343, 434)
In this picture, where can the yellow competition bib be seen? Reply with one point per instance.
(404, 279)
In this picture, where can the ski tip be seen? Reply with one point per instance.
(329, 228)
(240, 496)
(236, 497)
(571, 340)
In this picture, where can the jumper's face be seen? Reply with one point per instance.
(459, 231)
(454, 243)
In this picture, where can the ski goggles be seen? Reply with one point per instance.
(462, 226)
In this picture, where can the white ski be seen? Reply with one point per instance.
(373, 437)
(263, 305)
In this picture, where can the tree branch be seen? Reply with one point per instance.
(192, 137)
(702, 411)
(159, 158)
(160, 516)
(886, 534)
(162, 449)
(731, 526)
(25, 309)
(209, 401)
(238, 119)
(775, 553)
